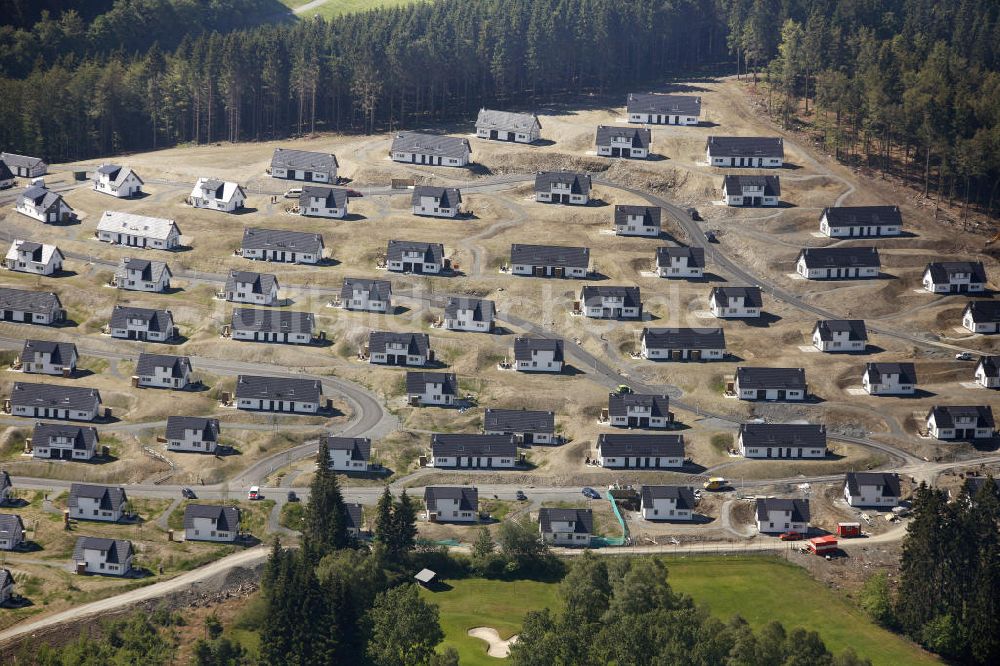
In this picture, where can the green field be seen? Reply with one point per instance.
(760, 589)
(332, 8)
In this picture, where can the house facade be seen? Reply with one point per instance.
(889, 379)
(666, 503)
(214, 194)
(566, 527)
(436, 201)
(600, 302)
(637, 410)
(528, 426)
(477, 315)
(138, 231)
(366, 295)
(654, 109)
(745, 151)
(279, 326)
(30, 307)
(192, 434)
(48, 401)
(211, 522)
(415, 257)
(840, 335)
(323, 202)
(48, 358)
(251, 287)
(872, 489)
(431, 388)
(101, 503)
(407, 349)
(36, 258)
(965, 422)
(143, 275)
(628, 142)
(680, 262)
(538, 355)
(777, 515)
(58, 441)
(278, 394)
(735, 302)
(861, 221)
(987, 372)
(448, 504)
(628, 451)
(290, 247)
(683, 344)
(473, 451)
(163, 371)
(751, 191)
(549, 261)
(508, 126)
(309, 166)
(564, 187)
(782, 440)
(430, 149)
(117, 181)
(106, 557)
(982, 316)
(349, 454)
(637, 221)
(129, 323)
(954, 277)
(755, 383)
(832, 263)
(43, 205)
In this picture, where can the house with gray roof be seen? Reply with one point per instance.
(6, 487)
(44, 205)
(982, 316)
(366, 294)
(30, 307)
(889, 379)
(469, 314)
(430, 149)
(251, 287)
(637, 221)
(861, 221)
(312, 167)
(349, 454)
(508, 126)
(473, 451)
(431, 388)
(735, 302)
(143, 324)
(880, 490)
(106, 557)
(11, 531)
(961, 422)
(63, 441)
(318, 201)
(354, 518)
(278, 394)
(48, 358)
(163, 371)
(840, 335)
(290, 247)
(987, 372)
(745, 151)
(628, 142)
(117, 181)
(195, 434)
(680, 262)
(35, 258)
(975, 484)
(451, 504)
(549, 261)
(610, 302)
(634, 451)
(782, 440)
(211, 522)
(683, 344)
(49, 401)
(25, 166)
(215, 194)
(639, 410)
(406, 349)
(656, 109)
(6, 176)
(667, 502)
(538, 355)
(756, 383)
(838, 263)
(138, 231)
(776, 515)
(565, 187)
(142, 275)
(100, 503)
(404, 256)
(6, 585)
(435, 201)
(954, 277)
(281, 326)
(751, 190)
(528, 426)
(566, 527)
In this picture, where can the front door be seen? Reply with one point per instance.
(781, 394)
(494, 134)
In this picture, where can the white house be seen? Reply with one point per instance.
(528, 426)
(366, 294)
(211, 522)
(163, 371)
(680, 262)
(889, 379)
(666, 503)
(290, 247)
(776, 515)
(654, 109)
(982, 316)
(629, 142)
(822, 263)
(144, 324)
(31, 257)
(25, 166)
(30, 307)
(408, 349)
(349, 454)
(628, 451)
(278, 394)
(58, 441)
(100, 503)
(549, 261)
(538, 355)
(755, 383)
(683, 344)
(840, 335)
(107, 557)
(323, 202)
(473, 451)
(565, 187)
(637, 221)
(214, 194)
(281, 326)
(43, 205)
(415, 257)
(48, 401)
(118, 181)
(138, 231)
(735, 302)
(951, 422)
(988, 371)
(612, 302)
(48, 358)
(430, 149)
(508, 126)
(431, 388)
(436, 201)
(745, 151)
(469, 314)
(251, 287)
(861, 221)
(638, 410)
(447, 504)
(566, 527)
(304, 165)
(142, 275)
(751, 190)
(872, 489)
(194, 434)
(954, 277)
(11, 532)
(782, 440)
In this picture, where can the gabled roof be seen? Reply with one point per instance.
(582, 519)
(158, 320)
(942, 271)
(279, 239)
(519, 420)
(468, 498)
(666, 105)
(332, 197)
(798, 508)
(431, 144)
(5, 482)
(417, 381)
(684, 338)
(41, 197)
(745, 146)
(751, 296)
(683, 496)
(117, 551)
(378, 290)
(990, 365)
(448, 197)
(272, 321)
(578, 183)
(360, 448)
(255, 387)
(473, 444)
(150, 271)
(39, 252)
(507, 121)
(261, 283)
(354, 516)
(595, 294)
(110, 498)
(227, 518)
(220, 190)
(734, 184)
(695, 255)
(178, 425)
(550, 255)
(945, 415)
(117, 174)
(35, 302)
(650, 215)
(863, 216)
(840, 257)
(888, 480)
(619, 403)
(11, 525)
(179, 366)
(84, 438)
(482, 309)
(855, 329)
(807, 435)
(417, 344)
(303, 160)
(907, 372)
(983, 312)
(638, 137)
(523, 348)
(617, 445)
(751, 377)
(23, 161)
(157, 228)
(59, 352)
(77, 398)
(433, 253)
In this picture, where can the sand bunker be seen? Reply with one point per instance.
(499, 648)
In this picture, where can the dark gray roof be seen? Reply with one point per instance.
(519, 420)
(261, 282)
(799, 508)
(507, 120)
(469, 444)
(524, 346)
(695, 255)
(751, 296)
(148, 363)
(32, 248)
(579, 183)
(431, 144)
(638, 137)
(118, 550)
(83, 437)
(745, 146)
(109, 169)
(177, 425)
(990, 365)
(433, 252)
(854, 216)
(6, 579)
(682, 495)
(448, 197)
(417, 344)
(278, 388)
(684, 338)
(148, 270)
(855, 328)
(360, 448)
(227, 518)
(976, 483)
(111, 498)
(303, 160)
(5, 172)
(159, 320)
(672, 105)
(623, 445)
(583, 519)
(650, 214)
(983, 312)
(37, 302)
(619, 403)
(468, 498)
(417, 381)
(775, 378)
(11, 523)
(734, 184)
(354, 514)
(279, 239)
(333, 197)
(60, 352)
(273, 321)
(941, 271)
(378, 290)
(41, 197)
(888, 480)
(907, 372)
(550, 255)
(482, 309)
(806, 435)
(944, 415)
(593, 294)
(49, 395)
(840, 257)
(24, 161)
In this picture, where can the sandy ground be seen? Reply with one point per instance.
(499, 648)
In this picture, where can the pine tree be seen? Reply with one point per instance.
(324, 526)
(404, 520)
(383, 525)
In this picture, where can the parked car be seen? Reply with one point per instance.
(791, 536)
(591, 493)
(710, 237)
(963, 356)
(715, 483)
(187, 493)
(693, 212)
(254, 493)
(292, 497)
(293, 193)
(520, 496)
(354, 193)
